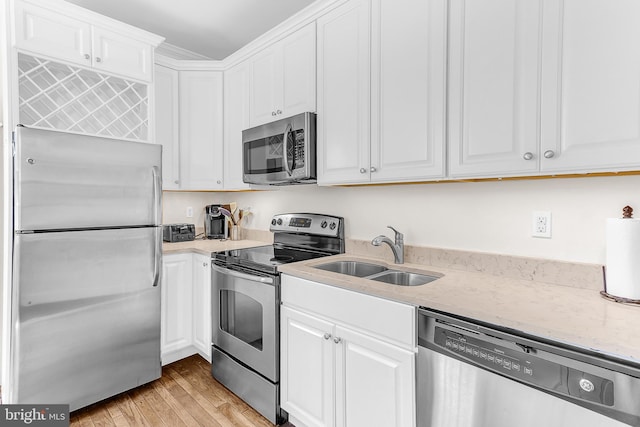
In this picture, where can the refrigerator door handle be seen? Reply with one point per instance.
(157, 260)
(157, 191)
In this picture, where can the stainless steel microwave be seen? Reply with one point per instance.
(281, 152)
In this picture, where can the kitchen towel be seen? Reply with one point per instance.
(623, 258)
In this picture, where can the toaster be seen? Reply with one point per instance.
(178, 232)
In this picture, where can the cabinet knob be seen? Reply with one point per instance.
(87, 56)
(527, 156)
(327, 336)
(549, 154)
(218, 182)
(279, 111)
(373, 169)
(98, 59)
(363, 170)
(176, 182)
(204, 264)
(273, 113)
(337, 340)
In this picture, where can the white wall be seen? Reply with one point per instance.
(477, 216)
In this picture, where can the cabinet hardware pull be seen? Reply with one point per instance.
(279, 111)
(87, 56)
(327, 336)
(273, 113)
(204, 264)
(373, 169)
(549, 154)
(527, 156)
(98, 59)
(176, 182)
(363, 170)
(337, 340)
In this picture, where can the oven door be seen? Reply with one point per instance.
(245, 320)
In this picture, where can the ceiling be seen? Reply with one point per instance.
(211, 28)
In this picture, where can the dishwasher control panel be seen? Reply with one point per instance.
(521, 363)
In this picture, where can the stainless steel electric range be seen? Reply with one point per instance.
(246, 306)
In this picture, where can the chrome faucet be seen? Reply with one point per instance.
(397, 247)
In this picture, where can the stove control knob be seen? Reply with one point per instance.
(323, 224)
(332, 226)
(279, 221)
(273, 221)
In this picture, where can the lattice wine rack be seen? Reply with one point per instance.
(63, 97)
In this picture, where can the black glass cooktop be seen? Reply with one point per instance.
(265, 258)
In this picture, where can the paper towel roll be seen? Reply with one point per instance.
(623, 257)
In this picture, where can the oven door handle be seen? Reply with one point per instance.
(233, 273)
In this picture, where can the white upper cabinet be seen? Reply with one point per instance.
(344, 68)
(236, 119)
(283, 78)
(381, 92)
(494, 57)
(167, 125)
(591, 86)
(408, 89)
(201, 133)
(78, 37)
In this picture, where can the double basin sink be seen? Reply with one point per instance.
(378, 273)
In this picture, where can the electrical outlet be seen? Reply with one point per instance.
(541, 226)
(189, 212)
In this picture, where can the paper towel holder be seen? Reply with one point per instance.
(627, 212)
(614, 298)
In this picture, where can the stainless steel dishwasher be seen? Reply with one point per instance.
(472, 375)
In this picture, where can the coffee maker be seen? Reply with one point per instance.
(215, 223)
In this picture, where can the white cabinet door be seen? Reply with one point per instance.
(343, 122)
(57, 36)
(494, 87)
(375, 382)
(266, 86)
(591, 86)
(176, 304)
(202, 305)
(236, 119)
(201, 133)
(118, 54)
(61, 37)
(408, 89)
(283, 78)
(167, 125)
(307, 368)
(299, 72)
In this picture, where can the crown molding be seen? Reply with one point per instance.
(175, 52)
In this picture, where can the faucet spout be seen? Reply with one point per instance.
(397, 247)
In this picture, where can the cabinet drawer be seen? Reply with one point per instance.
(388, 320)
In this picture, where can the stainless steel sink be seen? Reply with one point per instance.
(353, 268)
(403, 278)
(377, 272)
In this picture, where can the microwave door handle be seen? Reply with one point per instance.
(285, 148)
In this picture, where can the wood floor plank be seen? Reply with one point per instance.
(188, 402)
(131, 412)
(181, 412)
(101, 417)
(84, 420)
(163, 409)
(137, 395)
(116, 414)
(206, 400)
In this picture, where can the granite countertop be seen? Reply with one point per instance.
(206, 247)
(579, 317)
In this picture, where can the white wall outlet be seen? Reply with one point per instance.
(541, 226)
(189, 212)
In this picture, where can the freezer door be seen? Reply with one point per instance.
(86, 315)
(69, 181)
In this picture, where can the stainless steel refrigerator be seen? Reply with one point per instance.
(85, 295)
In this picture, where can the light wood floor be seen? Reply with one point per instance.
(186, 395)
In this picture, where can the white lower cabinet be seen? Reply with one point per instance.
(185, 307)
(202, 304)
(175, 307)
(345, 370)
